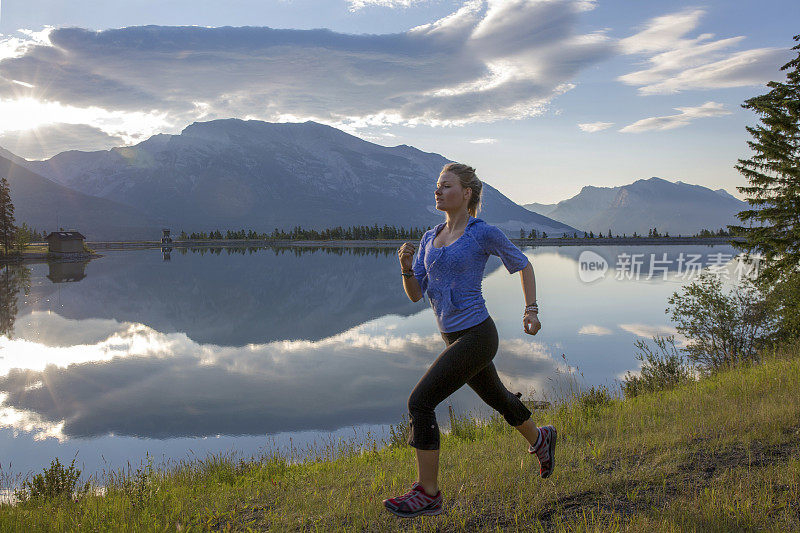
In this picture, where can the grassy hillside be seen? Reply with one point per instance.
(720, 454)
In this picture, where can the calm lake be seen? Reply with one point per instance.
(206, 351)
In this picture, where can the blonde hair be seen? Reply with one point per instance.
(469, 180)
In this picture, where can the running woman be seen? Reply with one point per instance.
(450, 264)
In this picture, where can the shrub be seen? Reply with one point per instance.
(595, 397)
(139, 487)
(783, 297)
(55, 481)
(463, 427)
(724, 328)
(662, 369)
(398, 435)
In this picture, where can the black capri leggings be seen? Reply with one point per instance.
(467, 359)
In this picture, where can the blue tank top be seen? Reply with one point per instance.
(452, 274)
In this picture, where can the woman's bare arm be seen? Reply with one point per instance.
(412, 288)
(528, 284)
(406, 256)
(530, 320)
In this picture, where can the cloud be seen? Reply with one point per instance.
(355, 5)
(593, 127)
(488, 61)
(85, 385)
(591, 329)
(487, 140)
(686, 115)
(678, 63)
(46, 141)
(751, 67)
(645, 330)
(648, 331)
(55, 120)
(663, 32)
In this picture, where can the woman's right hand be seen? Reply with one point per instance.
(406, 256)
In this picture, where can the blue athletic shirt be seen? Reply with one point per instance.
(452, 274)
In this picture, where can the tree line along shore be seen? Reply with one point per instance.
(598, 241)
(38, 252)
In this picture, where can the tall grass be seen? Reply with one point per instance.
(718, 454)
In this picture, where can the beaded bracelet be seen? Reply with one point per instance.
(408, 274)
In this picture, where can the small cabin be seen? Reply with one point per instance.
(165, 236)
(65, 242)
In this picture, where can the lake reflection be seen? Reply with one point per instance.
(131, 353)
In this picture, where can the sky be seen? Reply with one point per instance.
(542, 97)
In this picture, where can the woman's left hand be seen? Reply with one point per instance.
(531, 324)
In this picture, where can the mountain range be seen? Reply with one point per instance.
(45, 205)
(232, 174)
(676, 208)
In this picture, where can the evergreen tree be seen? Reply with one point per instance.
(24, 236)
(13, 278)
(773, 174)
(773, 192)
(7, 228)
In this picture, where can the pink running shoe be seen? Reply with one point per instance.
(546, 450)
(414, 503)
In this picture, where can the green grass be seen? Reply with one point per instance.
(35, 248)
(720, 454)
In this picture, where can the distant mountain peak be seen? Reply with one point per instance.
(221, 125)
(676, 207)
(654, 180)
(588, 188)
(725, 194)
(12, 157)
(236, 124)
(249, 132)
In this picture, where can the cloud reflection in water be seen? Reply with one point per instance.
(122, 378)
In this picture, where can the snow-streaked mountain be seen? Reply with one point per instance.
(252, 174)
(723, 193)
(46, 206)
(677, 208)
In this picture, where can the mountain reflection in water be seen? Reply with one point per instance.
(233, 297)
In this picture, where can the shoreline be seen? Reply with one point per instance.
(45, 257)
(29, 258)
(381, 243)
